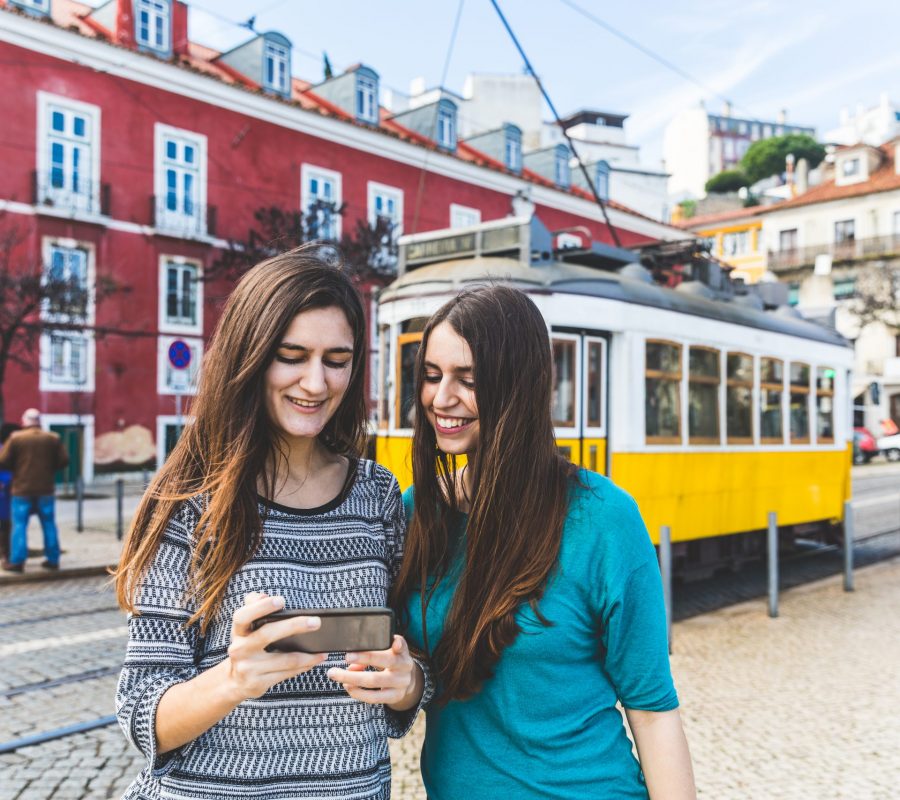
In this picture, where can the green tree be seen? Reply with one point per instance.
(767, 156)
(728, 181)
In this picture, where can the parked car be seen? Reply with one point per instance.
(865, 448)
(890, 446)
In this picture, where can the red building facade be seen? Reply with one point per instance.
(129, 153)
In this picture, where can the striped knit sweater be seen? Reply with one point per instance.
(305, 737)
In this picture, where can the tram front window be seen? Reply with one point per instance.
(662, 405)
(563, 403)
(408, 346)
(825, 405)
(771, 385)
(739, 399)
(799, 403)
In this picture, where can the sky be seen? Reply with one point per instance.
(810, 57)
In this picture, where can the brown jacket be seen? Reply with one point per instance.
(33, 456)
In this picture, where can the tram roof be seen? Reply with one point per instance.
(458, 274)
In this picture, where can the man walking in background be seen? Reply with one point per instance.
(33, 455)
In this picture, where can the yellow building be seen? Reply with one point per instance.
(735, 237)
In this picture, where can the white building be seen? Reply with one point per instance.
(698, 145)
(822, 241)
(868, 125)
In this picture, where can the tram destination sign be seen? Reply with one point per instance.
(436, 249)
(489, 241)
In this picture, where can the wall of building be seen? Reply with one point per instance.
(686, 154)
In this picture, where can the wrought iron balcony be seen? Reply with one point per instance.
(70, 193)
(866, 249)
(200, 222)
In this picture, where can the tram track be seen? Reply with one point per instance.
(52, 683)
(52, 617)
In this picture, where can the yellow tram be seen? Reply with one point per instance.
(706, 405)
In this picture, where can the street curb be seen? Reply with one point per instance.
(55, 575)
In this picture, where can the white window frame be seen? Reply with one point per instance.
(84, 201)
(464, 216)
(562, 172)
(366, 95)
(593, 431)
(446, 127)
(48, 245)
(176, 221)
(310, 172)
(512, 152)
(895, 229)
(159, 14)
(47, 382)
(87, 450)
(382, 190)
(163, 368)
(165, 324)
(162, 421)
(573, 432)
(280, 58)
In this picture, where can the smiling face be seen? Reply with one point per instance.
(448, 391)
(309, 376)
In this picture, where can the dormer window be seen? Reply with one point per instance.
(850, 167)
(446, 125)
(561, 174)
(366, 96)
(603, 180)
(152, 24)
(37, 6)
(276, 67)
(513, 149)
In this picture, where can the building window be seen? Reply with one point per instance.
(463, 216)
(825, 405)
(896, 226)
(850, 167)
(561, 173)
(799, 403)
(40, 6)
(321, 202)
(66, 275)
(844, 231)
(180, 170)
(736, 243)
(703, 395)
(513, 149)
(739, 399)
(386, 218)
(787, 240)
(367, 98)
(277, 67)
(172, 380)
(152, 24)
(446, 126)
(68, 157)
(181, 296)
(564, 383)
(603, 180)
(66, 361)
(662, 403)
(771, 389)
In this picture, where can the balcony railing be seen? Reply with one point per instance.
(70, 193)
(201, 222)
(850, 250)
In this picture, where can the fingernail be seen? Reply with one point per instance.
(313, 622)
(330, 673)
(278, 602)
(352, 656)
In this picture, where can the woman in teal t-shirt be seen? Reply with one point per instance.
(531, 584)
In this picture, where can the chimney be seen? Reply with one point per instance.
(726, 108)
(416, 87)
(782, 116)
(801, 176)
(179, 28)
(789, 172)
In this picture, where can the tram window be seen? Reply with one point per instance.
(563, 404)
(595, 385)
(703, 395)
(662, 403)
(408, 348)
(384, 366)
(771, 389)
(739, 399)
(799, 403)
(825, 405)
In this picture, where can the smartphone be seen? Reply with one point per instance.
(343, 630)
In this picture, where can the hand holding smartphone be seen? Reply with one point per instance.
(342, 630)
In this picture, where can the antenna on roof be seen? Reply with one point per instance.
(326, 66)
(249, 24)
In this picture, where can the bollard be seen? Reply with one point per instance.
(120, 499)
(848, 546)
(145, 477)
(773, 564)
(665, 568)
(79, 504)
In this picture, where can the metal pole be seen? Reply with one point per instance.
(848, 546)
(665, 568)
(179, 422)
(773, 564)
(120, 498)
(79, 504)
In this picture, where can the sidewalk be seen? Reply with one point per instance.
(90, 552)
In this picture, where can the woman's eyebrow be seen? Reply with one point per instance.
(301, 348)
(431, 365)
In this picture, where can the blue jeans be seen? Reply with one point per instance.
(22, 509)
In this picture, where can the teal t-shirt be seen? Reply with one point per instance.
(546, 725)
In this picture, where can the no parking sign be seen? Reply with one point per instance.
(179, 354)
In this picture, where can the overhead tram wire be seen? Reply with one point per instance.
(420, 191)
(591, 184)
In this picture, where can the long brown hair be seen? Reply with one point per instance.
(232, 443)
(520, 489)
